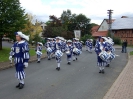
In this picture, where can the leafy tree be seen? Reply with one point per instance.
(31, 28)
(12, 18)
(85, 37)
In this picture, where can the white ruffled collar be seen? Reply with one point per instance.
(20, 42)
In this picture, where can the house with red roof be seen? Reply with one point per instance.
(102, 30)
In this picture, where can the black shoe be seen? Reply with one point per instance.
(100, 71)
(38, 61)
(69, 63)
(103, 71)
(76, 58)
(18, 85)
(58, 68)
(107, 65)
(48, 58)
(21, 86)
(73, 60)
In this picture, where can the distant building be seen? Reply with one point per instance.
(123, 28)
(94, 29)
(43, 25)
(103, 28)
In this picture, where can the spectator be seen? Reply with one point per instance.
(124, 46)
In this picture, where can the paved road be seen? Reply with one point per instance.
(80, 80)
(6, 44)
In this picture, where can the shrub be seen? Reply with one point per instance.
(85, 37)
(117, 40)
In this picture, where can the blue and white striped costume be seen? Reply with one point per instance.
(75, 45)
(63, 46)
(81, 45)
(98, 49)
(111, 50)
(90, 46)
(69, 48)
(48, 46)
(20, 53)
(38, 52)
(87, 43)
(58, 47)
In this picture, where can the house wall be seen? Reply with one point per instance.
(103, 26)
(125, 35)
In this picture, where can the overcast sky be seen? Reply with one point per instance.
(96, 10)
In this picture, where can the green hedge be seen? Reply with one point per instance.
(117, 40)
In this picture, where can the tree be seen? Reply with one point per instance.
(68, 22)
(12, 18)
(32, 28)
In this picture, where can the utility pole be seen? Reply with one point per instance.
(110, 21)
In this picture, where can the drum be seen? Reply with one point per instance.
(104, 55)
(112, 56)
(58, 53)
(49, 50)
(38, 53)
(68, 53)
(77, 51)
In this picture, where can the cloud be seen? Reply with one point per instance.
(94, 9)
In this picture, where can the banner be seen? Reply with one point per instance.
(77, 33)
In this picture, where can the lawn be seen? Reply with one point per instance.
(4, 54)
(131, 53)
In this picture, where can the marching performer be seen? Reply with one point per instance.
(110, 49)
(48, 46)
(76, 50)
(63, 45)
(87, 45)
(100, 46)
(81, 45)
(53, 48)
(58, 53)
(20, 53)
(75, 45)
(39, 51)
(90, 45)
(69, 51)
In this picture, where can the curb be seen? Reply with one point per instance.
(30, 61)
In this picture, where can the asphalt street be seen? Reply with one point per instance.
(80, 80)
(6, 44)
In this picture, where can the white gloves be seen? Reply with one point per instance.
(25, 65)
(10, 57)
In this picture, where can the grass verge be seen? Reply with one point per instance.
(131, 53)
(4, 54)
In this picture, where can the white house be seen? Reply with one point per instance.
(43, 27)
(103, 28)
(105, 25)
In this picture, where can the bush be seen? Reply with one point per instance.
(117, 40)
(85, 37)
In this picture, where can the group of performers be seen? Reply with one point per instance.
(55, 48)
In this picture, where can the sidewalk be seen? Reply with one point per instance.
(123, 86)
(5, 65)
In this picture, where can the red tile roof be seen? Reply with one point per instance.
(94, 29)
(100, 33)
